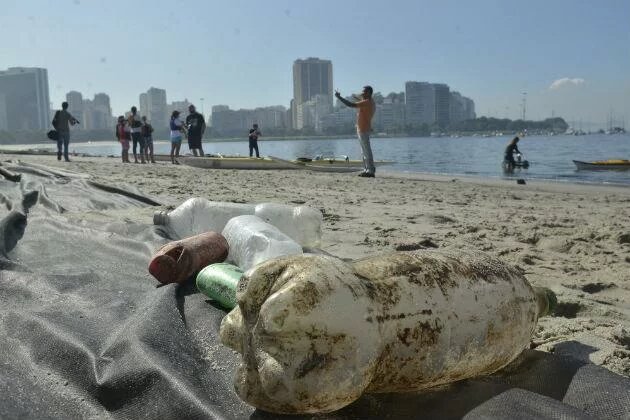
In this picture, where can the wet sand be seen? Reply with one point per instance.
(574, 239)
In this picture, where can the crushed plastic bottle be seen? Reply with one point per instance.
(315, 332)
(218, 282)
(198, 215)
(303, 224)
(252, 241)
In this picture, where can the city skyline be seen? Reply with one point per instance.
(569, 58)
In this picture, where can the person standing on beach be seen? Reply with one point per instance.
(147, 135)
(366, 109)
(254, 133)
(135, 123)
(196, 125)
(123, 137)
(176, 126)
(62, 122)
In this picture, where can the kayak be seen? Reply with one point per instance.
(236, 162)
(603, 165)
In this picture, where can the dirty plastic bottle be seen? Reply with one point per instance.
(218, 282)
(409, 320)
(198, 215)
(252, 241)
(303, 224)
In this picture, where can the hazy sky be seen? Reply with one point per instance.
(572, 57)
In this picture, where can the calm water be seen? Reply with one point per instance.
(550, 157)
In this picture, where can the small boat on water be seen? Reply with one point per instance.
(603, 165)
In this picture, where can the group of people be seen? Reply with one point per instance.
(139, 131)
(193, 128)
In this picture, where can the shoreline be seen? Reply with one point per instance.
(553, 184)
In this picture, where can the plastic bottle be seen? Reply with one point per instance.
(252, 241)
(198, 215)
(303, 224)
(324, 331)
(218, 282)
(176, 261)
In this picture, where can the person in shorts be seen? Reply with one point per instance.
(123, 138)
(147, 135)
(195, 125)
(177, 126)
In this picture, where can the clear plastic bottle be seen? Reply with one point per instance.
(198, 215)
(303, 224)
(252, 241)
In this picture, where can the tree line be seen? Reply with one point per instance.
(477, 125)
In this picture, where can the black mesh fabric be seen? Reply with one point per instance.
(86, 333)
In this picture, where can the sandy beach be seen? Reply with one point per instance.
(574, 239)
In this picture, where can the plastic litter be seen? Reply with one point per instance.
(303, 224)
(253, 241)
(316, 332)
(176, 261)
(219, 282)
(197, 215)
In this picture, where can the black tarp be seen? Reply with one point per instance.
(86, 333)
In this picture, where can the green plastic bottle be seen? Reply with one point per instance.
(218, 282)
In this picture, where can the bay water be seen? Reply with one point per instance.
(550, 157)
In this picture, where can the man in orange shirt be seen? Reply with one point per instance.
(366, 109)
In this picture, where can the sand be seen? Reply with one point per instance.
(574, 239)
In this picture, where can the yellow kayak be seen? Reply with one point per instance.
(611, 164)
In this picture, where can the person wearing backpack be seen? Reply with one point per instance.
(62, 122)
(147, 130)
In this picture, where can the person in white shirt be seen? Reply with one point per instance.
(176, 125)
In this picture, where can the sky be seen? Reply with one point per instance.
(568, 58)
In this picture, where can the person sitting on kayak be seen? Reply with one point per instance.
(509, 152)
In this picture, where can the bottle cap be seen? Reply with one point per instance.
(160, 218)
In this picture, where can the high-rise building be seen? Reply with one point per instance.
(156, 107)
(144, 104)
(311, 112)
(391, 115)
(234, 123)
(95, 114)
(469, 109)
(420, 103)
(24, 99)
(457, 107)
(75, 104)
(442, 104)
(310, 77)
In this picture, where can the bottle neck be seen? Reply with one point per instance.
(160, 218)
(547, 301)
